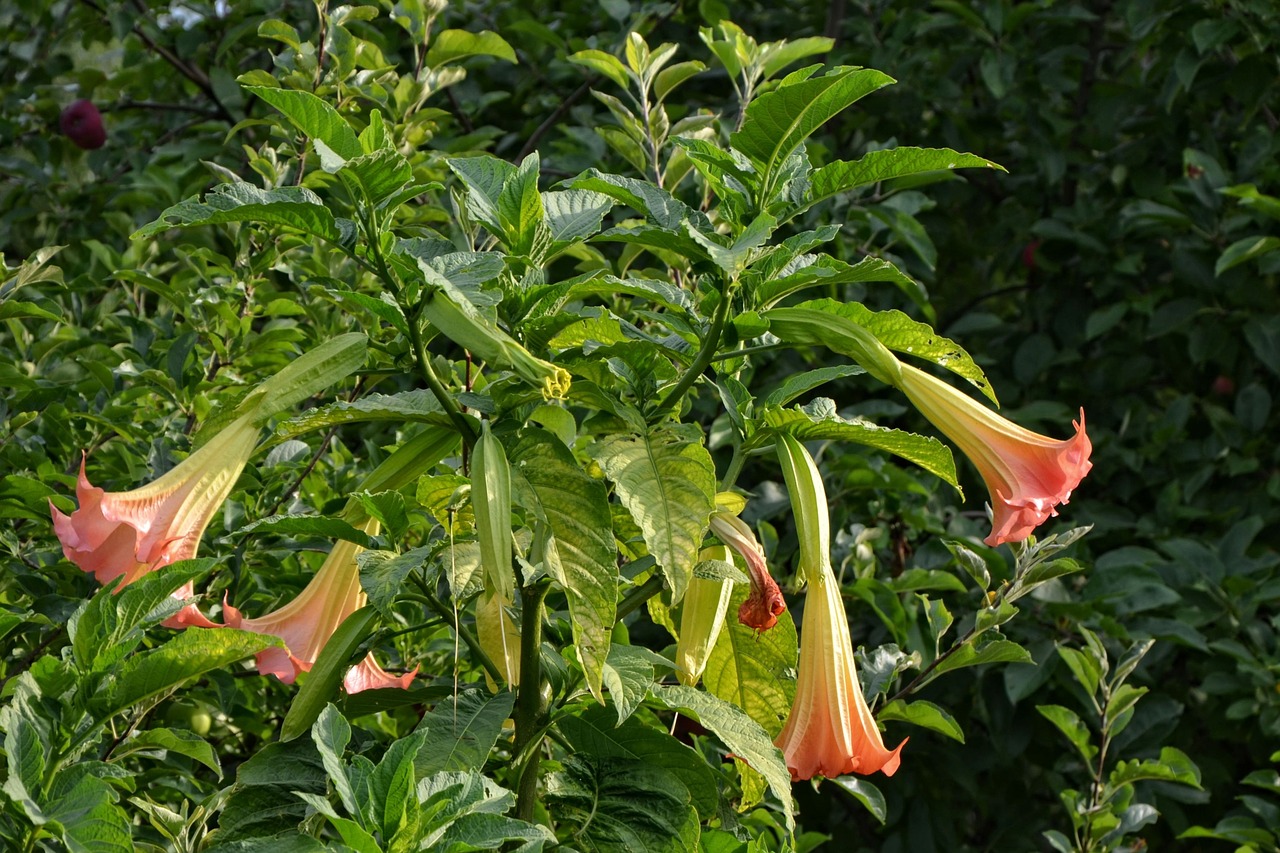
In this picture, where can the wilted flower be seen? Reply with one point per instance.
(127, 534)
(765, 603)
(1028, 474)
(306, 623)
(830, 730)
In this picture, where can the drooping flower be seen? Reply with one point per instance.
(306, 623)
(1027, 474)
(765, 603)
(830, 730)
(127, 534)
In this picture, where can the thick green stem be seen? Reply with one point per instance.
(638, 596)
(531, 710)
(704, 357)
(465, 427)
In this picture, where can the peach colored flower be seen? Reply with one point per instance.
(830, 730)
(765, 603)
(1027, 474)
(127, 534)
(306, 623)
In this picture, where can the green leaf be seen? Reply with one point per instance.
(189, 654)
(743, 735)
(754, 670)
(86, 816)
(660, 207)
(292, 207)
(581, 554)
(263, 801)
(1173, 765)
(996, 651)
(520, 211)
(320, 526)
(315, 117)
(777, 122)
(924, 714)
(1263, 335)
(866, 793)
(603, 63)
(480, 830)
(594, 733)
(379, 174)
(418, 406)
(382, 574)
(900, 333)
(160, 741)
(109, 626)
(1243, 251)
(619, 804)
(802, 383)
(461, 731)
(669, 78)
(484, 177)
(25, 759)
(844, 176)
(1083, 667)
(667, 484)
(331, 733)
(307, 375)
(574, 215)
(736, 257)
(1070, 724)
(327, 672)
(628, 673)
(820, 420)
(452, 45)
(806, 271)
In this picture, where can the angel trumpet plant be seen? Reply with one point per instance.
(306, 623)
(830, 730)
(1027, 474)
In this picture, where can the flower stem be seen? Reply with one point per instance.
(638, 596)
(473, 645)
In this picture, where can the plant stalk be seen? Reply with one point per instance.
(704, 357)
(530, 710)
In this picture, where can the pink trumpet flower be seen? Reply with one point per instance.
(765, 603)
(831, 731)
(306, 623)
(127, 534)
(1027, 474)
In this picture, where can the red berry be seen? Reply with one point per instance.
(82, 124)
(1224, 386)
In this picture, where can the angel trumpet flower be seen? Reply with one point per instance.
(765, 603)
(1027, 474)
(127, 534)
(830, 731)
(306, 623)
(702, 615)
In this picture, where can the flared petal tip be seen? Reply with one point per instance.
(763, 606)
(367, 675)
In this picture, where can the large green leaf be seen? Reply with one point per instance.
(615, 804)
(161, 741)
(461, 731)
(419, 405)
(315, 117)
(452, 45)
(628, 673)
(382, 573)
(595, 733)
(293, 207)
(319, 526)
(820, 420)
(777, 122)
(658, 206)
(581, 554)
(806, 271)
(667, 483)
(754, 670)
(900, 333)
(264, 801)
(743, 735)
(189, 654)
(883, 165)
